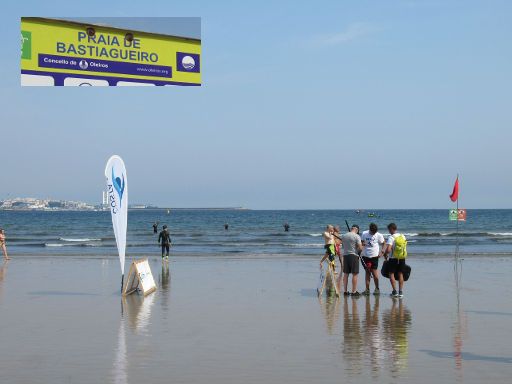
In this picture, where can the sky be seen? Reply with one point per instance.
(304, 105)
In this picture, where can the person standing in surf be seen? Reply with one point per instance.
(2, 244)
(396, 248)
(155, 228)
(372, 242)
(351, 243)
(164, 239)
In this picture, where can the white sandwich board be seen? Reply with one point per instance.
(139, 278)
(327, 280)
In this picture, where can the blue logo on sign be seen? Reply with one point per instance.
(187, 62)
(119, 186)
(83, 64)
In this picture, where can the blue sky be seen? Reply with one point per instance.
(329, 104)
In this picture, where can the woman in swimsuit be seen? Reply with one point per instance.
(2, 244)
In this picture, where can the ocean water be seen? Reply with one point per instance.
(251, 232)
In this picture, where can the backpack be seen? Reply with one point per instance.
(400, 250)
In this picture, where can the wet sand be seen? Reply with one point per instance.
(256, 320)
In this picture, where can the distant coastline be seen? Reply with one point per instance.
(36, 204)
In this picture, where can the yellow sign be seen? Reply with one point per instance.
(57, 52)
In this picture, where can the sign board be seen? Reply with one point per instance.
(139, 278)
(327, 280)
(459, 215)
(64, 53)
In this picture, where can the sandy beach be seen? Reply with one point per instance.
(255, 320)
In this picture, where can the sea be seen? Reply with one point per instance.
(251, 232)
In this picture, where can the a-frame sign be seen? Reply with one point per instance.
(139, 278)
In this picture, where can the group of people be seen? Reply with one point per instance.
(351, 249)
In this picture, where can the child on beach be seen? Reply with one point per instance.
(2, 244)
(330, 250)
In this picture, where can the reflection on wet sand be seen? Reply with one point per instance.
(164, 280)
(377, 341)
(3, 274)
(330, 310)
(396, 323)
(136, 311)
(372, 337)
(352, 337)
(120, 375)
(460, 325)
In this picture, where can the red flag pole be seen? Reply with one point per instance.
(457, 241)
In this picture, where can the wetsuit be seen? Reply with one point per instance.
(165, 240)
(155, 228)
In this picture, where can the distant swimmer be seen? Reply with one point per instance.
(155, 227)
(396, 248)
(373, 247)
(2, 244)
(286, 227)
(226, 226)
(164, 239)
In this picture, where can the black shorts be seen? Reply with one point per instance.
(395, 265)
(371, 262)
(351, 264)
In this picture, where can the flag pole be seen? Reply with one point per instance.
(457, 238)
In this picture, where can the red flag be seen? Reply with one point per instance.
(455, 194)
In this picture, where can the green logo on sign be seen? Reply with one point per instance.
(26, 45)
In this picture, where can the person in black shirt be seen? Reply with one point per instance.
(155, 228)
(164, 239)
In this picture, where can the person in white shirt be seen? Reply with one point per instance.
(373, 242)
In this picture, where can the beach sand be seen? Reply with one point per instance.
(252, 320)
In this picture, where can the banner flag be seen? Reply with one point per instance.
(117, 189)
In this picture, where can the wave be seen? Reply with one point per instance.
(315, 234)
(306, 245)
(72, 245)
(77, 240)
(454, 234)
